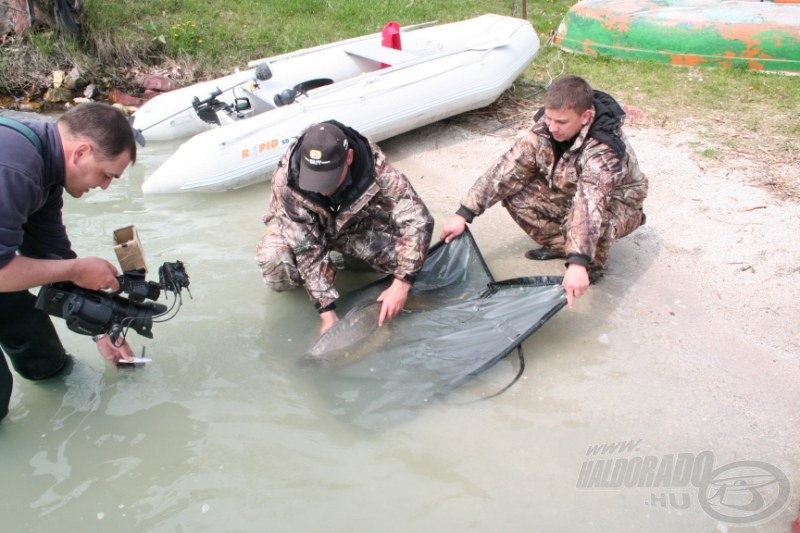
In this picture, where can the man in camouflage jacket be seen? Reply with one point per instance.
(334, 190)
(572, 182)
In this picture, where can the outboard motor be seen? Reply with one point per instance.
(205, 108)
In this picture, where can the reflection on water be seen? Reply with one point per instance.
(221, 432)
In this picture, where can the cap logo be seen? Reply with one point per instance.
(315, 154)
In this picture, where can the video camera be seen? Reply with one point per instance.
(91, 312)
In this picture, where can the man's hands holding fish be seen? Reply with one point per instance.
(393, 301)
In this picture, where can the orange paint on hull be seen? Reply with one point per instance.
(759, 35)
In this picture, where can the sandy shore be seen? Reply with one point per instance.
(692, 340)
(727, 245)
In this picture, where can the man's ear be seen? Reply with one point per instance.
(80, 150)
(587, 117)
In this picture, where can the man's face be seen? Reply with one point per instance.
(564, 124)
(345, 168)
(85, 171)
(338, 183)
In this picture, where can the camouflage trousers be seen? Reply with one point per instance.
(277, 257)
(278, 265)
(278, 262)
(544, 220)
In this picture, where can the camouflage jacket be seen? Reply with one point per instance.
(582, 185)
(377, 217)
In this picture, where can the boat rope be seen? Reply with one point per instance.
(563, 67)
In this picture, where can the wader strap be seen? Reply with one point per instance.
(24, 130)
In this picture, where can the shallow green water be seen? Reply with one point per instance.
(223, 431)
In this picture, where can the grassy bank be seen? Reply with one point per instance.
(733, 110)
(190, 39)
(232, 32)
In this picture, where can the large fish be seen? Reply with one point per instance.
(345, 341)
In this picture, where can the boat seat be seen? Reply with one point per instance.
(288, 96)
(309, 85)
(381, 54)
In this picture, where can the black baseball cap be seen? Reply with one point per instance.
(323, 154)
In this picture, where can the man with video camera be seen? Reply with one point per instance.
(88, 147)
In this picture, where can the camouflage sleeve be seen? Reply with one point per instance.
(412, 220)
(507, 176)
(601, 169)
(301, 231)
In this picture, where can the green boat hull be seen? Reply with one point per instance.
(736, 33)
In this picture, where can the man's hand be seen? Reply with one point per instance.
(453, 228)
(328, 318)
(95, 273)
(112, 352)
(394, 299)
(92, 273)
(576, 281)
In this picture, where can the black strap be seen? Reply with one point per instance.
(24, 130)
(521, 370)
(521, 357)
